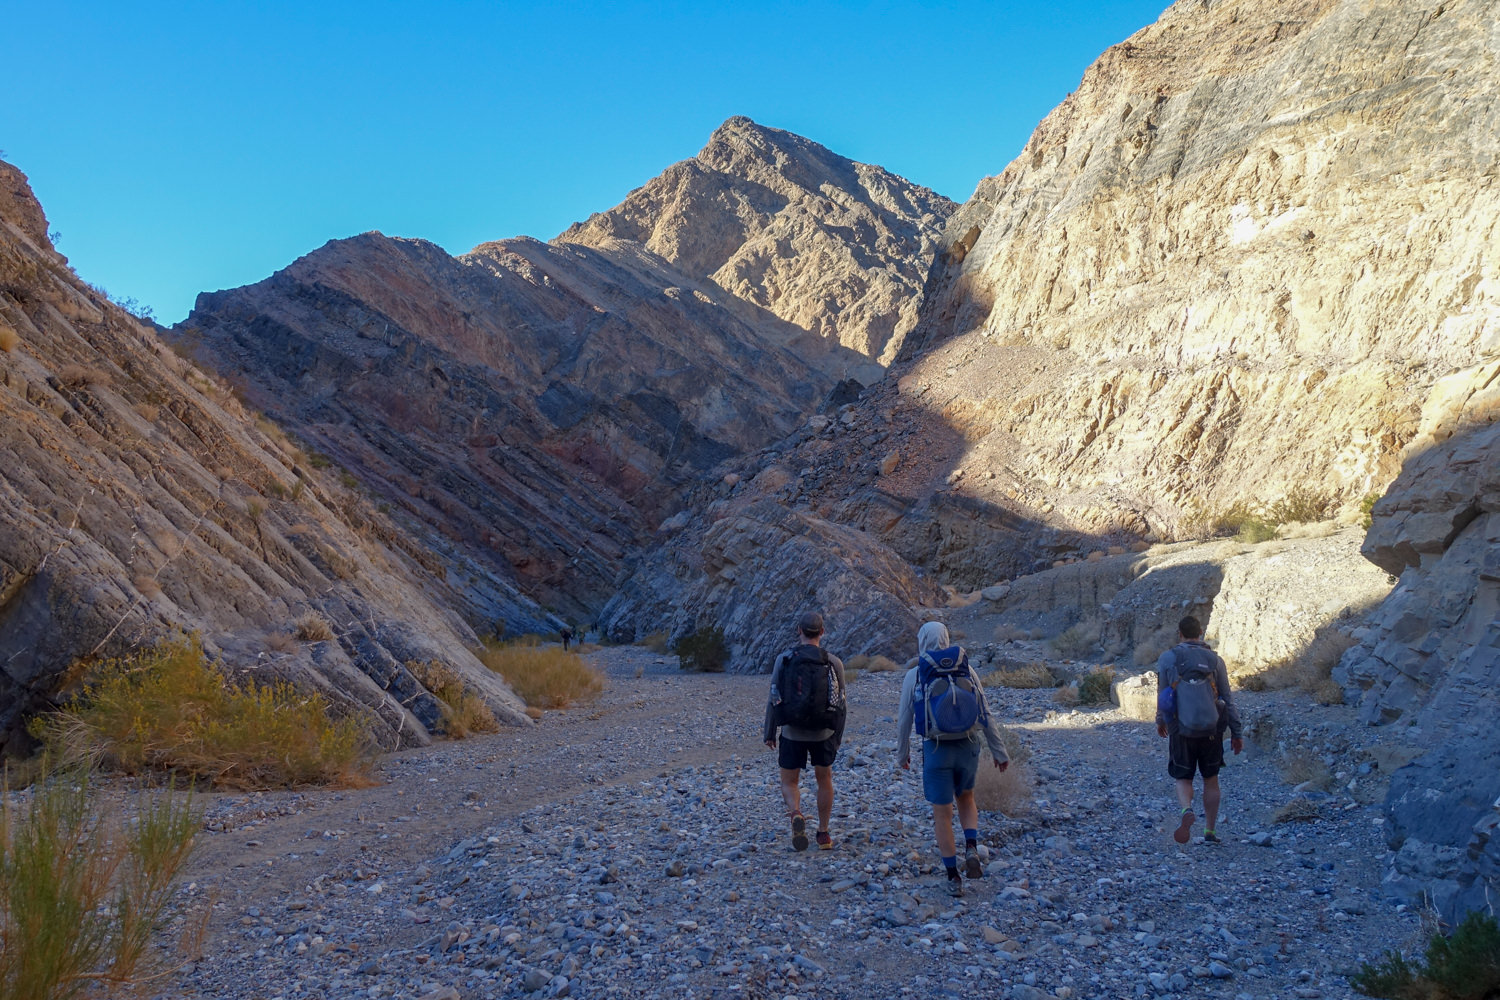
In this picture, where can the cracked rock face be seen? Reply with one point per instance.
(138, 497)
(1430, 661)
(1234, 261)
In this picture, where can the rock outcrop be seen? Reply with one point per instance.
(837, 248)
(1430, 661)
(1232, 263)
(137, 497)
(531, 412)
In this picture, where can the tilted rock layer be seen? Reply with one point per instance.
(834, 247)
(530, 411)
(137, 498)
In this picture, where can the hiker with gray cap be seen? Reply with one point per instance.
(807, 704)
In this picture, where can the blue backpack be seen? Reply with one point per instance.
(948, 705)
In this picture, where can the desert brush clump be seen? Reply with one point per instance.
(313, 627)
(9, 338)
(544, 676)
(1077, 640)
(1465, 966)
(83, 890)
(657, 642)
(170, 709)
(1094, 686)
(703, 651)
(464, 712)
(1031, 675)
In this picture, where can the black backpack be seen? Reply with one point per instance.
(810, 695)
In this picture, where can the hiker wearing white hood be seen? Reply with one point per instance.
(942, 696)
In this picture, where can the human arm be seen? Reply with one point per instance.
(768, 730)
(1231, 710)
(991, 731)
(905, 716)
(1166, 676)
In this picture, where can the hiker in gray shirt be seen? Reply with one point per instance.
(1191, 661)
(807, 704)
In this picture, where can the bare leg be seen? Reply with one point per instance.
(1211, 802)
(942, 823)
(1184, 791)
(790, 793)
(1184, 831)
(824, 777)
(968, 810)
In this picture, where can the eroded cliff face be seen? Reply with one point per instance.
(1429, 663)
(137, 497)
(1234, 261)
(531, 411)
(833, 247)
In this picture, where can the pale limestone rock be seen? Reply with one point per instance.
(889, 463)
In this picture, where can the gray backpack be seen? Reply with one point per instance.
(1198, 701)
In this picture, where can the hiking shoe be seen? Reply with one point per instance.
(1184, 831)
(972, 867)
(955, 885)
(799, 832)
(1209, 837)
(825, 842)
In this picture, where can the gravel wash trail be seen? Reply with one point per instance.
(636, 847)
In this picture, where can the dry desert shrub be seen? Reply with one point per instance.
(1300, 767)
(1067, 695)
(464, 712)
(1311, 670)
(9, 339)
(313, 627)
(82, 891)
(1006, 632)
(1007, 791)
(149, 412)
(860, 662)
(170, 709)
(657, 642)
(543, 676)
(1032, 675)
(1094, 686)
(881, 665)
(1078, 640)
(281, 642)
(81, 376)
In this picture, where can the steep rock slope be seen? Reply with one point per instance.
(532, 411)
(1430, 661)
(1233, 261)
(837, 248)
(137, 497)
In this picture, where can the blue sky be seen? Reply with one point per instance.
(185, 147)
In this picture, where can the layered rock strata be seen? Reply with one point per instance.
(137, 498)
(531, 412)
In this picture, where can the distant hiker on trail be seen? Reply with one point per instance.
(1193, 708)
(807, 704)
(942, 696)
(567, 636)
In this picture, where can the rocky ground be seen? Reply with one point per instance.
(637, 848)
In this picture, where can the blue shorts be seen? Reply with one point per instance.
(949, 768)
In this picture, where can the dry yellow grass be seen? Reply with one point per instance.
(881, 665)
(1006, 632)
(9, 339)
(313, 627)
(543, 676)
(1033, 675)
(169, 709)
(1007, 791)
(281, 642)
(656, 642)
(464, 712)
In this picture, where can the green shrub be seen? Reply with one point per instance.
(82, 892)
(1367, 510)
(704, 651)
(1077, 641)
(1465, 966)
(1094, 686)
(1301, 505)
(169, 709)
(543, 676)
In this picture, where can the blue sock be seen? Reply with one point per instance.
(951, 864)
(971, 838)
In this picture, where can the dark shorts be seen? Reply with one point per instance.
(1205, 754)
(949, 769)
(793, 754)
